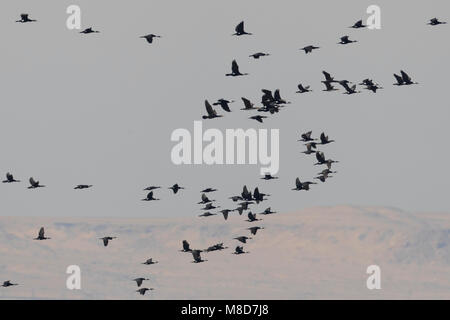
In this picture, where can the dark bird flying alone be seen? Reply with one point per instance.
(83, 186)
(239, 250)
(324, 139)
(309, 49)
(346, 40)
(435, 22)
(235, 70)
(224, 104)
(106, 240)
(149, 197)
(24, 18)
(358, 24)
(248, 105)
(197, 257)
(150, 37)
(267, 211)
(242, 239)
(210, 111)
(139, 281)
(254, 230)
(258, 118)
(41, 235)
(240, 30)
(259, 55)
(207, 190)
(175, 188)
(142, 291)
(303, 89)
(34, 184)
(10, 178)
(89, 30)
(151, 188)
(8, 283)
(149, 261)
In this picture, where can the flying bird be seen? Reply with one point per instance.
(209, 206)
(309, 49)
(208, 190)
(252, 217)
(358, 24)
(89, 30)
(205, 199)
(303, 89)
(34, 184)
(254, 230)
(197, 257)
(302, 185)
(175, 188)
(309, 148)
(149, 197)
(259, 55)
(83, 186)
(149, 261)
(248, 105)
(224, 104)
(107, 239)
(328, 77)
(328, 86)
(139, 281)
(240, 30)
(142, 291)
(211, 112)
(268, 177)
(225, 213)
(348, 89)
(150, 37)
(24, 18)
(242, 239)
(268, 211)
(186, 246)
(151, 188)
(258, 118)
(207, 214)
(8, 283)
(10, 178)
(235, 70)
(346, 40)
(41, 235)
(324, 139)
(306, 137)
(239, 250)
(435, 22)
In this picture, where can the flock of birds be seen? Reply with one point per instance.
(271, 103)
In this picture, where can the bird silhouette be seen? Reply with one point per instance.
(224, 104)
(149, 262)
(197, 257)
(303, 89)
(41, 235)
(346, 40)
(186, 246)
(34, 184)
(242, 239)
(83, 186)
(358, 24)
(139, 281)
(8, 283)
(258, 118)
(240, 30)
(142, 291)
(435, 22)
(149, 197)
(24, 18)
(259, 55)
(211, 113)
(309, 49)
(235, 70)
(150, 37)
(106, 240)
(175, 188)
(403, 79)
(10, 178)
(89, 30)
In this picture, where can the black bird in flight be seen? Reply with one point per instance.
(404, 79)
(309, 148)
(302, 185)
(107, 239)
(207, 214)
(41, 235)
(8, 283)
(435, 22)
(242, 239)
(186, 246)
(358, 24)
(89, 30)
(259, 55)
(324, 139)
(83, 186)
(268, 177)
(346, 40)
(309, 49)
(142, 291)
(224, 104)
(252, 217)
(205, 199)
(240, 30)
(235, 70)
(10, 178)
(239, 250)
(348, 89)
(248, 105)
(151, 188)
(210, 111)
(208, 190)
(175, 188)
(328, 86)
(24, 18)
(149, 197)
(320, 156)
(34, 184)
(253, 230)
(306, 137)
(149, 261)
(258, 118)
(149, 37)
(267, 211)
(303, 89)
(139, 281)
(328, 77)
(197, 257)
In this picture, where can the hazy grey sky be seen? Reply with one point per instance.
(99, 109)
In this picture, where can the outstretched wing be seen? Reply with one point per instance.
(240, 27)
(405, 76)
(41, 232)
(24, 16)
(235, 67)
(209, 109)
(32, 181)
(327, 76)
(398, 78)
